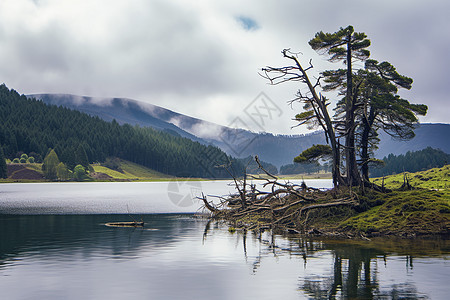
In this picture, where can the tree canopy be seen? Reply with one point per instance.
(369, 102)
(3, 169)
(51, 162)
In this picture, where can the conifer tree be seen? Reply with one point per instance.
(62, 172)
(3, 167)
(81, 157)
(369, 103)
(345, 45)
(49, 167)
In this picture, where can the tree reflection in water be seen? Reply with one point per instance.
(354, 264)
(355, 271)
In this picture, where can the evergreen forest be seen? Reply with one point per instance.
(412, 162)
(33, 127)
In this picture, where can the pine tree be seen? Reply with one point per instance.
(49, 167)
(3, 168)
(345, 45)
(81, 157)
(62, 172)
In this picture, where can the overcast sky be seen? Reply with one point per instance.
(201, 58)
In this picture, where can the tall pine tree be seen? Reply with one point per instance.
(50, 165)
(3, 168)
(345, 45)
(81, 157)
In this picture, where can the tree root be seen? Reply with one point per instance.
(285, 206)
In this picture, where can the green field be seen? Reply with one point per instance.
(437, 179)
(131, 171)
(423, 210)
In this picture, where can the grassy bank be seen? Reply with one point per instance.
(437, 178)
(127, 171)
(424, 210)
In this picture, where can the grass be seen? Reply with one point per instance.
(36, 167)
(114, 174)
(408, 213)
(132, 171)
(424, 210)
(437, 178)
(141, 171)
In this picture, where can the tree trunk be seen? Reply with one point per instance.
(353, 177)
(328, 126)
(367, 127)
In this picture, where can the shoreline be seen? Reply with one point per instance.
(417, 210)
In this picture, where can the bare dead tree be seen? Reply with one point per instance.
(315, 105)
(280, 204)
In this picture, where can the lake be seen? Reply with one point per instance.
(47, 254)
(118, 197)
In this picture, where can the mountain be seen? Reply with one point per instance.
(29, 125)
(436, 136)
(275, 149)
(122, 110)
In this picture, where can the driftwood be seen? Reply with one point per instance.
(125, 224)
(285, 205)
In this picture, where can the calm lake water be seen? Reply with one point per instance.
(181, 256)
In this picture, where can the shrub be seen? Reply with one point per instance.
(79, 172)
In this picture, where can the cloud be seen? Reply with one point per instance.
(206, 131)
(202, 58)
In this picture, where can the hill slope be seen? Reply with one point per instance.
(122, 110)
(276, 149)
(30, 125)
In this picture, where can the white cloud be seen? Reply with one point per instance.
(201, 58)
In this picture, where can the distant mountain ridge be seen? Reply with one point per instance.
(122, 110)
(276, 149)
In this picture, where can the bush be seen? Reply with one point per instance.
(79, 172)
(62, 172)
(30, 160)
(16, 161)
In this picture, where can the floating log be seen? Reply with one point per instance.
(125, 224)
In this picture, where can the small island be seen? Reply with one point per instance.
(408, 207)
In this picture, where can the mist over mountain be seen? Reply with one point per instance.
(122, 110)
(436, 136)
(275, 149)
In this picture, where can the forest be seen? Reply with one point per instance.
(412, 161)
(33, 127)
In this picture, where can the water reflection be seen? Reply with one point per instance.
(44, 233)
(179, 256)
(355, 265)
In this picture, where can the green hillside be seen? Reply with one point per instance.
(437, 178)
(423, 210)
(31, 126)
(130, 171)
